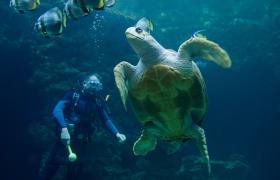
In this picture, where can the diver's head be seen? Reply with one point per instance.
(92, 85)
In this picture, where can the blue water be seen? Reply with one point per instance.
(244, 101)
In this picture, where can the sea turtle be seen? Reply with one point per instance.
(167, 90)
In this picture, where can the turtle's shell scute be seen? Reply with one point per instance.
(165, 96)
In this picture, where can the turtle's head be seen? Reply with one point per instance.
(142, 42)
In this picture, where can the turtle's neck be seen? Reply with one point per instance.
(151, 53)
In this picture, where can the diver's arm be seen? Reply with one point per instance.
(107, 121)
(59, 116)
(58, 113)
(59, 108)
(109, 124)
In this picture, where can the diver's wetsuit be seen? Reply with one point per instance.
(78, 113)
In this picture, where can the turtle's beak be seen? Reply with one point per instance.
(132, 36)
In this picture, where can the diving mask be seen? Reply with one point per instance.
(92, 85)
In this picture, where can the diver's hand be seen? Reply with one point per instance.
(65, 136)
(121, 137)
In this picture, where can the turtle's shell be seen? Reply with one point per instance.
(169, 97)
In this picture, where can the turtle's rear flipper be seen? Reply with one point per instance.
(208, 50)
(144, 144)
(147, 141)
(201, 141)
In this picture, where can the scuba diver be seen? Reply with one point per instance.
(76, 116)
(53, 22)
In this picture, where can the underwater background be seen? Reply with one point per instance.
(242, 125)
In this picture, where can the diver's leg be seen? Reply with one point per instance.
(55, 159)
(147, 141)
(47, 171)
(201, 141)
(74, 169)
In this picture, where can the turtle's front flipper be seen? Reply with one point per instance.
(201, 47)
(147, 141)
(122, 72)
(201, 141)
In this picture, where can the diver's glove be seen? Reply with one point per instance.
(121, 137)
(65, 136)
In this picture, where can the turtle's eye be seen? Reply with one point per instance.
(139, 30)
